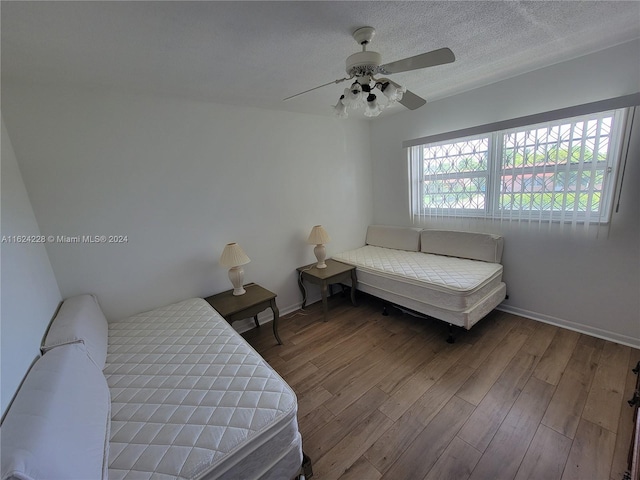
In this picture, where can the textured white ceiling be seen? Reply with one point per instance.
(257, 53)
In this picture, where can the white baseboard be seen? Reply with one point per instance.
(577, 327)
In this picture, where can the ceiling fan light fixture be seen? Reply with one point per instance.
(373, 108)
(345, 98)
(340, 109)
(356, 88)
(353, 95)
(360, 95)
(393, 92)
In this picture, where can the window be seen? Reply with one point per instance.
(563, 170)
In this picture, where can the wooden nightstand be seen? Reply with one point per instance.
(254, 301)
(335, 272)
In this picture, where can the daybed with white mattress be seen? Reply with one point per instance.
(177, 394)
(452, 276)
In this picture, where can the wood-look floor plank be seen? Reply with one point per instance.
(350, 392)
(546, 456)
(591, 453)
(418, 351)
(313, 421)
(400, 338)
(510, 443)
(556, 357)
(597, 343)
(565, 408)
(350, 347)
(493, 334)
(351, 447)
(456, 462)
(481, 330)
(418, 458)
(488, 371)
(605, 396)
(340, 378)
(540, 339)
(300, 374)
(394, 441)
(361, 470)
(391, 445)
(615, 354)
(429, 404)
(327, 436)
(323, 336)
(494, 407)
(312, 399)
(337, 362)
(492, 410)
(423, 379)
(525, 326)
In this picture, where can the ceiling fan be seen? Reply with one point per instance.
(362, 67)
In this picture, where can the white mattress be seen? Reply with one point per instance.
(448, 283)
(191, 399)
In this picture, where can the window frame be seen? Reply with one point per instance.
(495, 172)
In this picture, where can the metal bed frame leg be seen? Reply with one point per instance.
(306, 466)
(451, 338)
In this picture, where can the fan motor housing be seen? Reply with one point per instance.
(363, 63)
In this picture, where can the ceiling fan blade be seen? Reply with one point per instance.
(429, 59)
(409, 99)
(315, 88)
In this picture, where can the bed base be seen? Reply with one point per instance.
(452, 328)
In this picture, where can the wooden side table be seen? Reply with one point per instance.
(255, 300)
(335, 272)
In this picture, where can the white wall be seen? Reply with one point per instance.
(181, 179)
(580, 282)
(29, 293)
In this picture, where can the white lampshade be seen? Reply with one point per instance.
(340, 109)
(318, 236)
(393, 92)
(234, 257)
(353, 95)
(373, 108)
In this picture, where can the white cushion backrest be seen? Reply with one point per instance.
(475, 246)
(400, 238)
(80, 319)
(58, 425)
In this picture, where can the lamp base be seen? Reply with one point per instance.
(321, 253)
(236, 275)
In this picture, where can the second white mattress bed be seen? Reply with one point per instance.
(191, 399)
(449, 283)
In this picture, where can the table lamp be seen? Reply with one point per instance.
(234, 257)
(319, 237)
